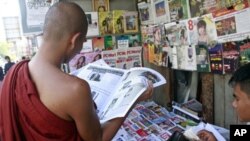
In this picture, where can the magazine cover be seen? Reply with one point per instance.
(202, 58)
(82, 59)
(122, 41)
(98, 43)
(244, 53)
(216, 60)
(150, 34)
(202, 7)
(105, 22)
(145, 13)
(201, 30)
(118, 21)
(131, 22)
(172, 35)
(231, 56)
(87, 46)
(157, 35)
(100, 5)
(109, 42)
(183, 33)
(178, 10)
(134, 40)
(121, 61)
(134, 57)
(109, 56)
(144, 35)
(233, 26)
(186, 57)
(160, 11)
(158, 55)
(93, 29)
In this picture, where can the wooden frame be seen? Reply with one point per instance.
(100, 5)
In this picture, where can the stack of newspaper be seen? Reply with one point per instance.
(149, 121)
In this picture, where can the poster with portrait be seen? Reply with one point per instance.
(131, 22)
(201, 30)
(100, 5)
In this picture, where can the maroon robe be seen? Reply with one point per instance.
(24, 117)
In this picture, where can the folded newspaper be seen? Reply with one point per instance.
(115, 90)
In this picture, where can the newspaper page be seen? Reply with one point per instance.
(234, 26)
(102, 81)
(115, 90)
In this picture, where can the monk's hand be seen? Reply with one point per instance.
(148, 93)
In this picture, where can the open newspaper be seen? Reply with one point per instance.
(115, 90)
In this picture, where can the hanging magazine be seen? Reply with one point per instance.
(115, 90)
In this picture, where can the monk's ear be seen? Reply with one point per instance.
(75, 39)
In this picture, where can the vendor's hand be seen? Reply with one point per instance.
(148, 93)
(205, 135)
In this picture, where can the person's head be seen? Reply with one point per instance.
(201, 26)
(101, 8)
(7, 58)
(23, 57)
(65, 23)
(81, 60)
(182, 34)
(240, 82)
(135, 43)
(97, 57)
(232, 24)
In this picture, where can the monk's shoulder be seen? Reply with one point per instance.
(75, 87)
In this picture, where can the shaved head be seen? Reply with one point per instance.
(64, 19)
